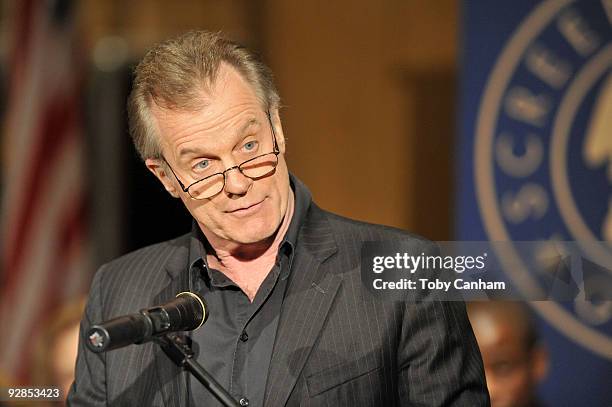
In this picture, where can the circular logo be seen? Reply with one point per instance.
(543, 150)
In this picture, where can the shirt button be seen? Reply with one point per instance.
(244, 337)
(244, 402)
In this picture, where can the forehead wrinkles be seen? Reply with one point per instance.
(229, 120)
(186, 132)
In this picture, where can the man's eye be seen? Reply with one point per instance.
(202, 165)
(250, 146)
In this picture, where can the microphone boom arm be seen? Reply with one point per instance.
(178, 349)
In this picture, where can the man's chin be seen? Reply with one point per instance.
(247, 233)
(253, 238)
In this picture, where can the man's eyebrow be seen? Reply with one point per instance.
(246, 125)
(241, 131)
(189, 150)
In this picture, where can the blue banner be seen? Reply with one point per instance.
(536, 162)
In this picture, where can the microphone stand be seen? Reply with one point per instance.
(178, 349)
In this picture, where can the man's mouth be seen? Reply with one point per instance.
(247, 209)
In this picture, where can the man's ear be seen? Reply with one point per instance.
(159, 170)
(278, 129)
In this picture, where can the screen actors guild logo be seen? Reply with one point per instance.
(543, 150)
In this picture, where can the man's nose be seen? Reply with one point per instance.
(236, 183)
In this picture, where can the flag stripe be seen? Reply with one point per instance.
(53, 133)
(23, 107)
(53, 295)
(28, 289)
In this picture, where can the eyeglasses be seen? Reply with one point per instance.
(253, 168)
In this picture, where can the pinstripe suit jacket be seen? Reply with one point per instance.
(336, 345)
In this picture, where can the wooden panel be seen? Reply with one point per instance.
(434, 111)
(352, 126)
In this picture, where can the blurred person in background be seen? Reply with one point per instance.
(56, 348)
(515, 359)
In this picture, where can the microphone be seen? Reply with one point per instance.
(184, 313)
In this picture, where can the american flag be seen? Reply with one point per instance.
(45, 260)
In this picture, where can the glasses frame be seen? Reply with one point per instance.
(276, 152)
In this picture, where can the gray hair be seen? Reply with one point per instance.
(172, 74)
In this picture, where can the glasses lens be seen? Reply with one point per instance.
(207, 187)
(259, 166)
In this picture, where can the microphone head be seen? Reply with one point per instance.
(97, 339)
(191, 311)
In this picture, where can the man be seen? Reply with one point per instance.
(515, 360)
(289, 321)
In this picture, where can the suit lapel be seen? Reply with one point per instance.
(172, 379)
(310, 294)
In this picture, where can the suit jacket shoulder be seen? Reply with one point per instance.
(132, 281)
(350, 235)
